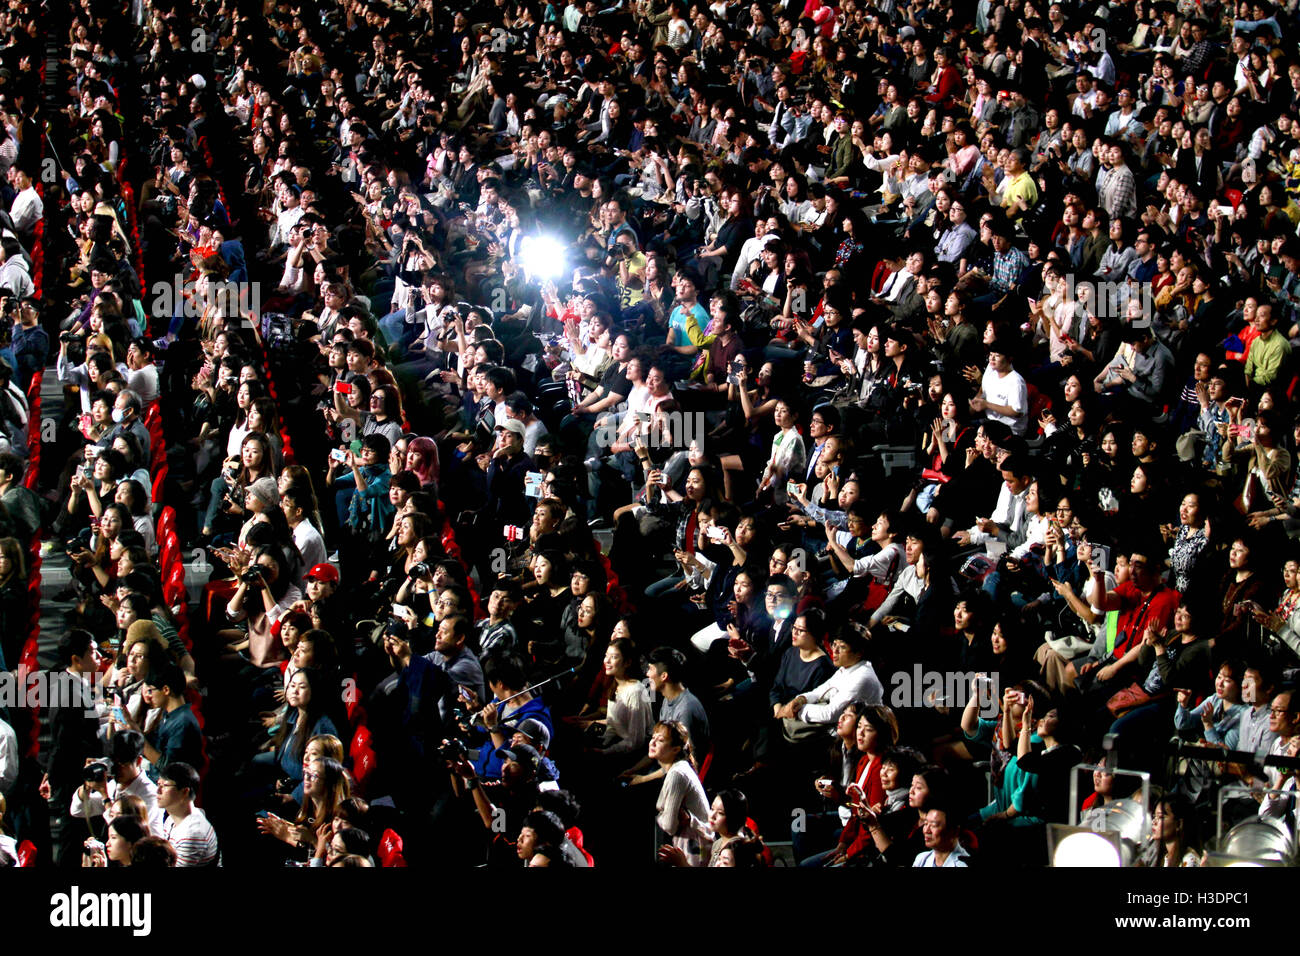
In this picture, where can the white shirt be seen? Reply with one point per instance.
(144, 382)
(26, 210)
(824, 702)
(1010, 390)
(77, 375)
(144, 524)
(310, 544)
(895, 284)
(957, 858)
(1035, 533)
(9, 757)
(285, 220)
(883, 566)
(1009, 514)
(95, 805)
(533, 432)
(235, 440)
(748, 253)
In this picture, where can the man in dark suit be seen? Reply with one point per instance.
(74, 738)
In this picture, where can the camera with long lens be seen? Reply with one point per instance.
(420, 570)
(454, 750)
(251, 576)
(98, 771)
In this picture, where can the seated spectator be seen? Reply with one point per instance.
(177, 820)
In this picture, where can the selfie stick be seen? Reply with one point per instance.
(529, 690)
(54, 152)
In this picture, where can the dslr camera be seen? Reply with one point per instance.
(453, 750)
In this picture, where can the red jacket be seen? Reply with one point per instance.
(948, 87)
(856, 837)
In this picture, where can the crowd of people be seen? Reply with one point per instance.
(693, 435)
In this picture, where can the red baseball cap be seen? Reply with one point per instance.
(324, 572)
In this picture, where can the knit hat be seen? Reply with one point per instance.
(266, 491)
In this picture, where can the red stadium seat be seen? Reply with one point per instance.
(389, 851)
(29, 659)
(363, 766)
(168, 554)
(766, 856)
(159, 480)
(174, 591)
(166, 521)
(705, 764)
(360, 740)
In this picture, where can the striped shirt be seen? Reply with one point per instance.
(193, 838)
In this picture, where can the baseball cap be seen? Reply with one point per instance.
(324, 572)
(512, 425)
(533, 729)
(522, 754)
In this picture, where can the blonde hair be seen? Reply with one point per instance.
(129, 805)
(330, 746)
(104, 209)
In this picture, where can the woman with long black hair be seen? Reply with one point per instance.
(325, 788)
(266, 592)
(229, 489)
(308, 697)
(682, 512)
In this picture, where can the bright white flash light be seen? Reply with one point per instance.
(542, 257)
